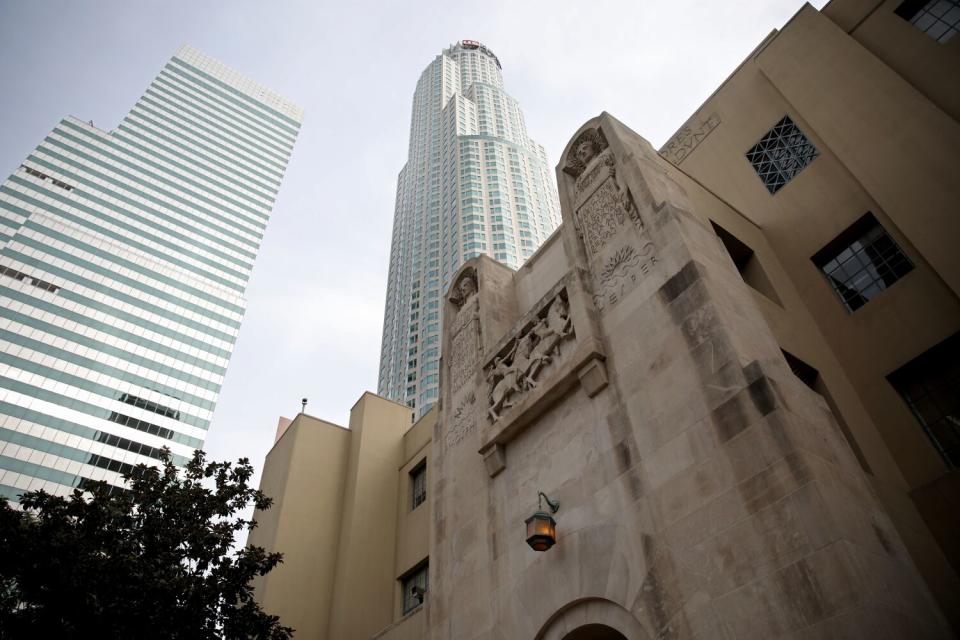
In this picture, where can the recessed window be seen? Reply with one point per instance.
(746, 263)
(939, 19)
(807, 374)
(414, 587)
(930, 385)
(418, 485)
(781, 154)
(862, 262)
(812, 378)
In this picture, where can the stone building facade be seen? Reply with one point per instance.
(733, 367)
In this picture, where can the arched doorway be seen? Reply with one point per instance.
(592, 619)
(595, 632)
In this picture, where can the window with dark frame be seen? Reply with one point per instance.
(781, 154)
(939, 19)
(930, 385)
(414, 586)
(862, 262)
(418, 485)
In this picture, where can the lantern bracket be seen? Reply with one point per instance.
(553, 504)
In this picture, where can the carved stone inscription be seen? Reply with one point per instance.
(689, 138)
(622, 272)
(515, 372)
(464, 353)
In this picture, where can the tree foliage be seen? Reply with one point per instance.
(153, 561)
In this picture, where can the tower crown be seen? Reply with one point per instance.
(473, 44)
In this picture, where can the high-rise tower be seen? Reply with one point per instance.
(124, 257)
(474, 182)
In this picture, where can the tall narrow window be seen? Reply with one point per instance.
(418, 485)
(414, 587)
(862, 262)
(939, 19)
(930, 385)
(781, 154)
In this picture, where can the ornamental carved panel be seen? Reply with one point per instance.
(464, 353)
(462, 421)
(465, 328)
(519, 365)
(621, 272)
(600, 217)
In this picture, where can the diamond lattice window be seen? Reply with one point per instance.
(781, 154)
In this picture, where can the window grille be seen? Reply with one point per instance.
(414, 588)
(862, 262)
(781, 154)
(418, 486)
(939, 19)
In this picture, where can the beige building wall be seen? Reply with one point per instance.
(342, 517)
(305, 474)
(879, 99)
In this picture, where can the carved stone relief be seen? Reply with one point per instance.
(465, 329)
(622, 272)
(600, 217)
(464, 353)
(588, 145)
(607, 203)
(462, 421)
(515, 372)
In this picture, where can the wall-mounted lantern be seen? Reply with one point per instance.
(541, 527)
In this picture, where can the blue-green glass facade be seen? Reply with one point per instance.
(124, 258)
(474, 183)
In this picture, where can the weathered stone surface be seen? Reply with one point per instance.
(705, 492)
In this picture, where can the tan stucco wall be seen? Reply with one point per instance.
(365, 557)
(413, 525)
(304, 473)
(917, 57)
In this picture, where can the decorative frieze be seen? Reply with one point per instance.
(515, 370)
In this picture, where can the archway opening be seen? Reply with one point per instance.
(594, 632)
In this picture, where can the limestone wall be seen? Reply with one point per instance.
(704, 490)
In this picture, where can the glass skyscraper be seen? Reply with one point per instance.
(474, 182)
(125, 257)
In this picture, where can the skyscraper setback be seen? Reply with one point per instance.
(474, 183)
(124, 258)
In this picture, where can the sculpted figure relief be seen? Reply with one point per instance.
(586, 147)
(466, 289)
(599, 217)
(465, 342)
(515, 373)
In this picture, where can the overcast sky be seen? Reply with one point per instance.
(315, 302)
